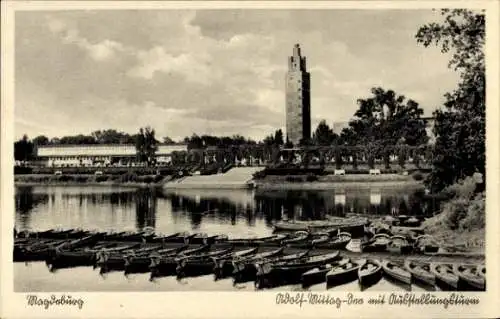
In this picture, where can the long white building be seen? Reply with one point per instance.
(99, 155)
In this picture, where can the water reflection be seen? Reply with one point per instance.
(226, 211)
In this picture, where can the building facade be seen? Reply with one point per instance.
(298, 99)
(99, 155)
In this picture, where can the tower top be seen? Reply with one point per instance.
(297, 62)
(296, 50)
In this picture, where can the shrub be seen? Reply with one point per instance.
(101, 178)
(418, 176)
(311, 178)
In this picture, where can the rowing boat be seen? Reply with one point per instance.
(166, 265)
(400, 245)
(420, 272)
(318, 274)
(369, 273)
(396, 272)
(198, 264)
(246, 269)
(445, 275)
(282, 272)
(379, 243)
(344, 273)
(109, 261)
(139, 264)
(469, 277)
(223, 265)
(338, 242)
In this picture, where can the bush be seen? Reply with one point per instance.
(311, 178)
(101, 178)
(418, 176)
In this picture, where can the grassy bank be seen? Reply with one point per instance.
(461, 223)
(334, 181)
(87, 179)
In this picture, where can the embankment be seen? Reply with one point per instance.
(128, 180)
(355, 181)
(462, 221)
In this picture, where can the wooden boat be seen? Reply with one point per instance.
(203, 239)
(224, 264)
(482, 271)
(348, 225)
(338, 242)
(298, 237)
(369, 273)
(247, 270)
(239, 265)
(420, 272)
(116, 260)
(469, 277)
(137, 264)
(164, 238)
(411, 222)
(166, 265)
(318, 274)
(344, 273)
(281, 272)
(396, 272)
(85, 256)
(379, 243)
(426, 244)
(198, 264)
(36, 251)
(445, 275)
(258, 241)
(400, 245)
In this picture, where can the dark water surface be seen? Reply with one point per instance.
(236, 213)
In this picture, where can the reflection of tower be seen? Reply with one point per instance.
(145, 209)
(298, 99)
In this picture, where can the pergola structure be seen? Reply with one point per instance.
(306, 155)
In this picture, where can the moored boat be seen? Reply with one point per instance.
(369, 273)
(223, 265)
(420, 272)
(201, 263)
(246, 269)
(318, 274)
(138, 264)
(445, 275)
(469, 277)
(344, 273)
(166, 265)
(379, 243)
(396, 272)
(399, 244)
(115, 260)
(281, 272)
(338, 242)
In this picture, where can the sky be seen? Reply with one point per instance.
(219, 72)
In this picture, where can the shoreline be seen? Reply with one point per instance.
(331, 182)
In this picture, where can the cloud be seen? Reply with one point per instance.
(218, 71)
(101, 51)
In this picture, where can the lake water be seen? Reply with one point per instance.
(236, 213)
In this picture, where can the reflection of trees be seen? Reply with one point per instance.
(25, 202)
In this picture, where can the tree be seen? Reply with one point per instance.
(278, 137)
(384, 119)
(168, 141)
(460, 131)
(146, 145)
(41, 140)
(23, 149)
(324, 135)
